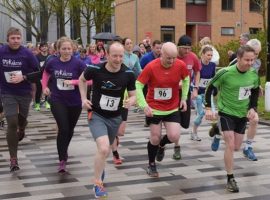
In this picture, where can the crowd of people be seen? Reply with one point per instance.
(161, 79)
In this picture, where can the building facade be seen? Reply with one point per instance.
(167, 20)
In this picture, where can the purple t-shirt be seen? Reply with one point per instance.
(16, 61)
(206, 74)
(59, 71)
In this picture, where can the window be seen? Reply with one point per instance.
(227, 5)
(254, 30)
(167, 3)
(198, 2)
(227, 31)
(255, 7)
(167, 33)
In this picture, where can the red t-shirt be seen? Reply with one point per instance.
(163, 84)
(192, 62)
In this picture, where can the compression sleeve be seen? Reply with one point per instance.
(208, 92)
(185, 88)
(140, 97)
(254, 98)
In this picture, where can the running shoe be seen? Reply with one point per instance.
(47, 105)
(177, 153)
(14, 166)
(62, 167)
(152, 170)
(37, 107)
(2, 124)
(160, 154)
(99, 190)
(215, 144)
(249, 154)
(116, 159)
(214, 130)
(232, 186)
(194, 136)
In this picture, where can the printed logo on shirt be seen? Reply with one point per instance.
(108, 85)
(62, 73)
(11, 63)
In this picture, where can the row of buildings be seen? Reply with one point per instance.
(167, 20)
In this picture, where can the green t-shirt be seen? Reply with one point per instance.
(234, 90)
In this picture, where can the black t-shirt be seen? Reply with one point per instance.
(109, 88)
(41, 59)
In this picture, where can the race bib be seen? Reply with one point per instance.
(9, 74)
(62, 86)
(41, 63)
(204, 82)
(162, 93)
(109, 103)
(244, 92)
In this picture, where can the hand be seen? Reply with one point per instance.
(251, 114)
(183, 105)
(126, 103)
(209, 115)
(87, 104)
(67, 82)
(16, 78)
(194, 93)
(47, 91)
(148, 111)
(261, 91)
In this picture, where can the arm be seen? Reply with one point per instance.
(76, 82)
(196, 84)
(131, 100)
(185, 89)
(44, 83)
(83, 91)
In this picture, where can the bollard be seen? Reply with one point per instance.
(267, 97)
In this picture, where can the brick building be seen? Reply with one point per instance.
(167, 20)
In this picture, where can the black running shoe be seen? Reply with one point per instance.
(152, 170)
(214, 130)
(232, 186)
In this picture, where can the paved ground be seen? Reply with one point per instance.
(199, 175)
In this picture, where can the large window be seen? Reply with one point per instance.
(167, 3)
(228, 5)
(167, 33)
(227, 31)
(255, 7)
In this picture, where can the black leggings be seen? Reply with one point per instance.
(66, 118)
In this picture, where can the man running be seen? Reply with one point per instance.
(162, 76)
(17, 63)
(110, 80)
(238, 90)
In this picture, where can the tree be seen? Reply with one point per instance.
(102, 12)
(87, 8)
(262, 4)
(25, 13)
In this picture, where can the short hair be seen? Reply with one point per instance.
(109, 46)
(83, 51)
(245, 36)
(243, 49)
(156, 42)
(205, 41)
(254, 43)
(13, 31)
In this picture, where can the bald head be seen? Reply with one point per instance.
(168, 54)
(170, 49)
(115, 46)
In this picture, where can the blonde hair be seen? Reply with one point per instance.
(205, 41)
(63, 39)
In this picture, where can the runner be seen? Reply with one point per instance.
(17, 63)
(238, 90)
(162, 76)
(66, 105)
(110, 80)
